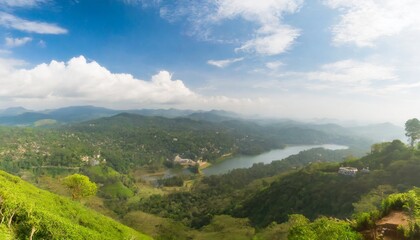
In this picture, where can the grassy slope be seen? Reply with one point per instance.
(53, 216)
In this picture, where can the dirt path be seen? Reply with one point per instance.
(387, 227)
(394, 218)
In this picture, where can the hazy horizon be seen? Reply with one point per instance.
(304, 60)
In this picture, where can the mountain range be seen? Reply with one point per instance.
(19, 116)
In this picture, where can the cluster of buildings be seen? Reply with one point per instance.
(187, 162)
(351, 171)
(93, 161)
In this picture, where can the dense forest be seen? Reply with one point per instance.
(300, 197)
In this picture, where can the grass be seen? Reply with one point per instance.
(53, 216)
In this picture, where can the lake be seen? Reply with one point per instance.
(267, 157)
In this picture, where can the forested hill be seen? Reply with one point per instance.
(318, 189)
(145, 139)
(75, 114)
(127, 141)
(29, 212)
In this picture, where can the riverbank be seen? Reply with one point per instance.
(243, 161)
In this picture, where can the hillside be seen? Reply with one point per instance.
(319, 190)
(29, 211)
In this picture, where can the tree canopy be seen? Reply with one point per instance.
(412, 129)
(80, 186)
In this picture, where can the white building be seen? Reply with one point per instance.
(349, 171)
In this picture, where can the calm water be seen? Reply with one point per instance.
(267, 157)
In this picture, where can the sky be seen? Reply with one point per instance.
(300, 59)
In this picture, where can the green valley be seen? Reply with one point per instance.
(127, 156)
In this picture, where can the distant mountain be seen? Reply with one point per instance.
(74, 114)
(167, 113)
(214, 116)
(27, 118)
(22, 116)
(79, 113)
(13, 111)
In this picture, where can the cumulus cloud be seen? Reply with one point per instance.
(271, 35)
(79, 81)
(362, 22)
(16, 42)
(79, 78)
(10, 21)
(224, 63)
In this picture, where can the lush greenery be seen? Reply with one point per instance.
(224, 194)
(412, 129)
(29, 212)
(281, 200)
(80, 186)
(318, 190)
(321, 228)
(128, 141)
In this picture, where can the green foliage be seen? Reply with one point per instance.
(157, 227)
(116, 190)
(274, 231)
(412, 129)
(128, 141)
(226, 227)
(221, 194)
(113, 184)
(372, 201)
(321, 228)
(319, 190)
(27, 207)
(366, 220)
(6, 233)
(80, 186)
(175, 181)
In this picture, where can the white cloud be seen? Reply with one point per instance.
(271, 36)
(350, 77)
(4, 51)
(11, 21)
(224, 63)
(88, 80)
(351, 71)
(21, 3)
(16, 42)
(274, 65)
(363, 22)
(81, 82)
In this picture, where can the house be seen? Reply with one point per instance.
(184, 161)
(348, 171)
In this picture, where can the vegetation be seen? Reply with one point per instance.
(29, 212)
(80, 186)
(301, 197)
(412, 129)
(221, 194)
(319, 190)
(321, 228)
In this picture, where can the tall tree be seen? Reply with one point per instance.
(412, 130)
(80, 186)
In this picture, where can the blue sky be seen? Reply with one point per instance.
(342, 59)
